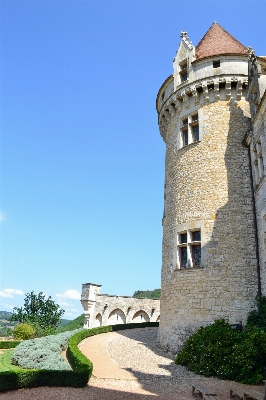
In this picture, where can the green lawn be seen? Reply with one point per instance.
(5, 361)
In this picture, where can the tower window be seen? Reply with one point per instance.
(183, 71)
(195, 248)
(183, 254)
(196, 133)
(196, 255)
(189, 249)
(196, 237)
(185, 132)
(184, 77)
(185, 137)
(216, 64)
(195, 127)
(183, 238)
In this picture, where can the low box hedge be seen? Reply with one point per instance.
(82, 366)
(9, 344)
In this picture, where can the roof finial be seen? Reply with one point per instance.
(215, 22)
(183, 34)
(251, 55)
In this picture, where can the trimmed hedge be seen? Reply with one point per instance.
(82, 366)
(43, 353)
(9, 344)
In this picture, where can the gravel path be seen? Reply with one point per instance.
(134, 351)
(142, 357)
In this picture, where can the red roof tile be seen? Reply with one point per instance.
(217, 41)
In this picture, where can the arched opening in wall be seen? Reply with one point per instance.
(98, 321)
(116, 317)
(158, 318)
(140, 316)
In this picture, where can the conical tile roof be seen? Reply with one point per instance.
(217, 41)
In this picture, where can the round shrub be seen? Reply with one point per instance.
(24, 332)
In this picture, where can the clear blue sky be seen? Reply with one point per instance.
(82, 160)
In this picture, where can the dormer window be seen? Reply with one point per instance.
(216, 64)
(183, 71)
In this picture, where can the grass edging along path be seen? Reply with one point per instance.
(82, 366)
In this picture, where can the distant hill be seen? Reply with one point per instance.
(75, 324)
(5, 324)
(147, 294)
(5, 315)
(64, 322)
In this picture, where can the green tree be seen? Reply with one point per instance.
(40, 312)
(147, 294)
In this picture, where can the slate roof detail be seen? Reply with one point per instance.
(217, 41)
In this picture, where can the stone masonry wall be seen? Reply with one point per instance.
(259, 133)
(104, 309)
(131, 309)
(208, 187)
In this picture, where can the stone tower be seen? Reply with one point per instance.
(209, 268)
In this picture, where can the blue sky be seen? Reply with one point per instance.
(82, 160)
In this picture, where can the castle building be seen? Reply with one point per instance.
(214, 222)
(105, 309)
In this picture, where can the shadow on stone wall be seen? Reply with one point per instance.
(231, 254)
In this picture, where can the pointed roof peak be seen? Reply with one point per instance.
(217, 41)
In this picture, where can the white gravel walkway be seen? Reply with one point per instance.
(137, 351)
(150, 373)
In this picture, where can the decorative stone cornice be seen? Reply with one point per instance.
(173, 105)
(200, 83)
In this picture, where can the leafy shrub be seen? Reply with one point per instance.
(24, 332)
(43, 353)
(258, 317)
(219, 350)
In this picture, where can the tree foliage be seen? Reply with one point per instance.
(40, 312)
(258, 317)
(147, 294)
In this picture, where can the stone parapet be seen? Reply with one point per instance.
(107, 309)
